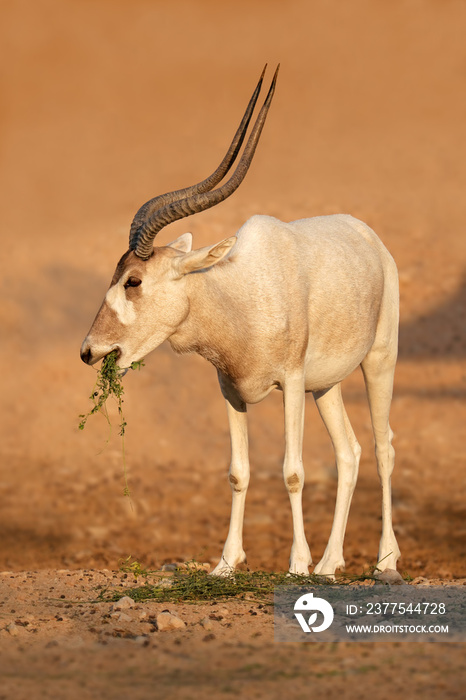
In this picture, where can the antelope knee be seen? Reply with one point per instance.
(238, 481)
(294, 482)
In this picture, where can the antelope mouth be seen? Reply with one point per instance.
(116, 352)
(90, 358)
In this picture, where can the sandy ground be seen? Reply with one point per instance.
(76, 646)
(107, 104)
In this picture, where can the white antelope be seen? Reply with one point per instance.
(291, 306)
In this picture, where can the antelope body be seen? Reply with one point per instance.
(295, 306)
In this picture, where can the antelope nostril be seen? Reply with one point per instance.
(86, 355)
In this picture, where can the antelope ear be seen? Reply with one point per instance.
(204, 257)
(183, 243)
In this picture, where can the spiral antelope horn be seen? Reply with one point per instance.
(142, 243)
(149, 208)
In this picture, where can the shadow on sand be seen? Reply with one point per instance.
(439, 334)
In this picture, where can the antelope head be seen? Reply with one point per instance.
(147, 299)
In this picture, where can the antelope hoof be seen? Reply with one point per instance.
(226, 567)
(301, 568)
(327, 568)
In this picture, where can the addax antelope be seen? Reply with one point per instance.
(291, 306)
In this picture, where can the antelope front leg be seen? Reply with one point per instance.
(238, 476)
(293, 471)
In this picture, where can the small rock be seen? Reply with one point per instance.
(420, 580)
(389, 576)
(62, 618)
(12, 629)
(122, 617)
(167, 621)
(170, 567)
(124, 603)
(206, 624)
(208, 637)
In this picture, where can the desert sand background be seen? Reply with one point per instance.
(106, 104)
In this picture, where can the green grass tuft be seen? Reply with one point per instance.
(109, 385)
(196, 585)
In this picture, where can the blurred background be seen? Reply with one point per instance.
(106, 104)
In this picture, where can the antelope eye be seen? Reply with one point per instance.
(132, 282)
